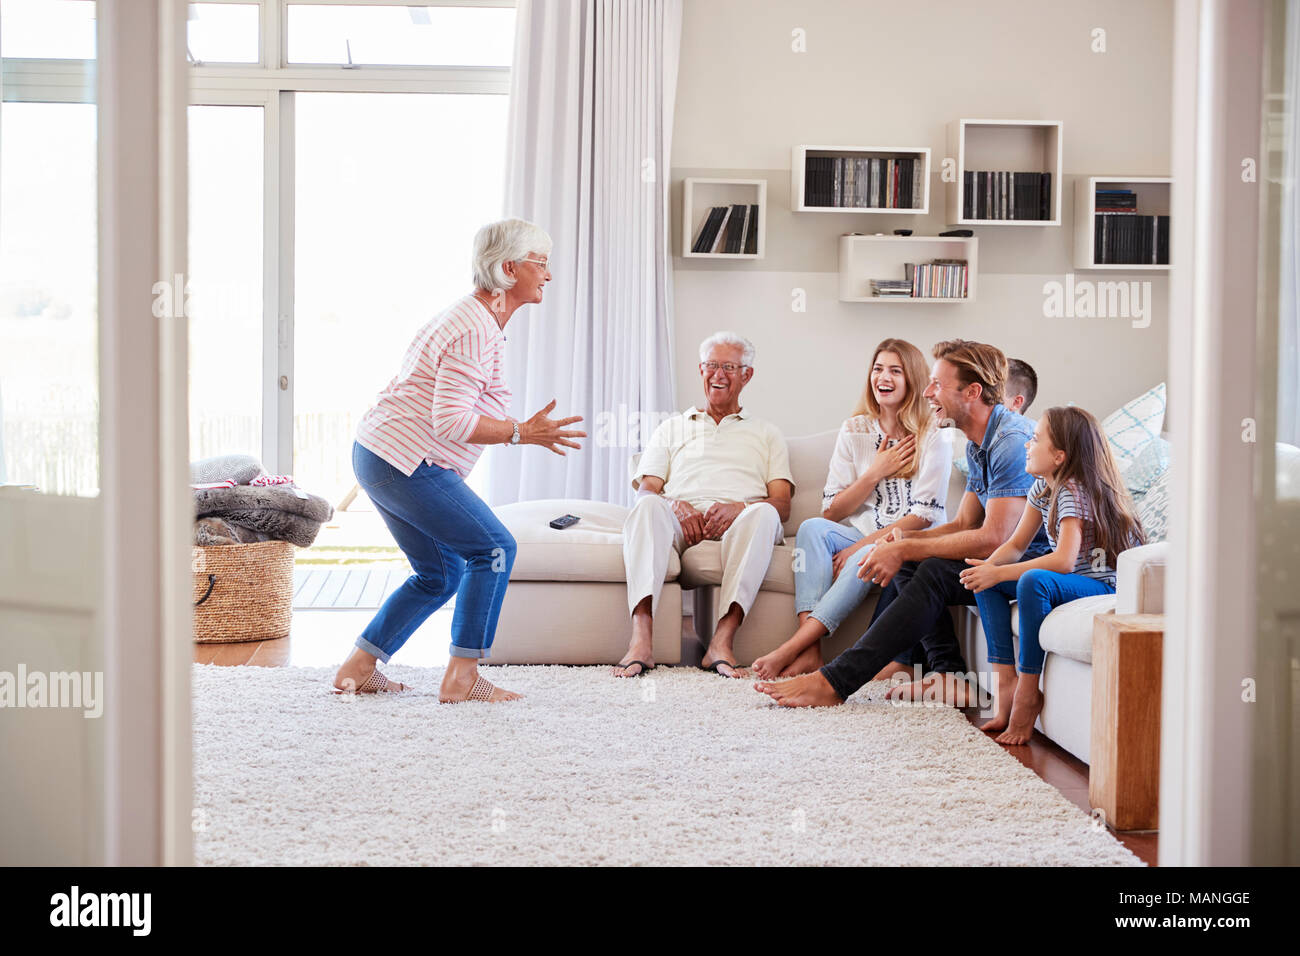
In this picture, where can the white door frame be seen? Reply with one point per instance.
(144, 474)
(1206, 728)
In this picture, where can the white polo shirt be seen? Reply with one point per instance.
(703, 462)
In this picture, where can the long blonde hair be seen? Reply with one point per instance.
(915, 416)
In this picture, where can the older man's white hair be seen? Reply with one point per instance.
(508, 240)
(731, 339)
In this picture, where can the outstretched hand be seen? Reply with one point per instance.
(549, 432)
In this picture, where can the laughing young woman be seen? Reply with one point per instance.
(878, 481)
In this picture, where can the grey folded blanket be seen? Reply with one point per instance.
(241, 469)
(275, 511)
(211, 531)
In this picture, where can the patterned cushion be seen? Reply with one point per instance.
(1135, 424)
(1153, 509)
(1148, 464)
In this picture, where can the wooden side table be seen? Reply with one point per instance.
(1124, 776)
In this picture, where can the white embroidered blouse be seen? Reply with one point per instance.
(856, 447)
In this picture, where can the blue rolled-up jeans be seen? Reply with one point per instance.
(827, 598)
(455, 544)
(1037, 592)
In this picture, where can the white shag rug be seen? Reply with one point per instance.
(677, 768)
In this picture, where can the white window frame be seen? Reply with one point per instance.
(271, 83)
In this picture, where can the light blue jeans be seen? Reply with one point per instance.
(828, 599)
(456, 546)
(1037, 591)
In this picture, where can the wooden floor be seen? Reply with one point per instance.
(322, 638)
(364, 586)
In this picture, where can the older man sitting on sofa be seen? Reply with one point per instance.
(714, 473)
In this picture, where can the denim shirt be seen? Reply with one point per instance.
(996, 466)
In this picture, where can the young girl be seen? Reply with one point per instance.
(889, 470)
(1081, 500)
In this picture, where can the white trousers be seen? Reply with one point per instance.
(652, 529)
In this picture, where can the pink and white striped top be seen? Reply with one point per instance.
(452, 374)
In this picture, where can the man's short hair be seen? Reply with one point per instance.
(729, 338)
(1022, 380)
(976, 364)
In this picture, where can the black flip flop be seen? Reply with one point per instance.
(716, 664)
(645, 668)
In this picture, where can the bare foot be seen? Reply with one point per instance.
(1006, 677)
(771, 665)
(935, 689)
(356, 675)
(1025, 708)
(807, 662)
(810, 690)
(890, 669)
(456, 687)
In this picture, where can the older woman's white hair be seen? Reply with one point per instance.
(728, 338)
(508, 240)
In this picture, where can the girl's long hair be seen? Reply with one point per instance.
(915, 416)
(1090, 465)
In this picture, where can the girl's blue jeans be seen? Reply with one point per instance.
(455, 544)
(1036, 592)
(828, 599)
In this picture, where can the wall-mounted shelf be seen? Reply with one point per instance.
(863, 258)
(1152, 200)
(1012, 145)
(919, 156)
(699, 196)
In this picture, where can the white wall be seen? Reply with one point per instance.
(883, 73)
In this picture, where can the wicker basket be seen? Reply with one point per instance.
(243, 592)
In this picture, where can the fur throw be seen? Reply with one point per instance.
(219, 531)
(275, 511)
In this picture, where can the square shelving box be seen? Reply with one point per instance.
(1004, 144)
(799, 156)
(701, 195)
(863, 258)
(1152, 200)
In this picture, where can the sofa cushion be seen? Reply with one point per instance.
(702, 564)
(1153, 510)
(1068, 629)
(1151, 461)
(591, 550)
(810, 460)
(1132, 426)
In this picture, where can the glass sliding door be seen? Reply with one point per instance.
(390, 189)
(49, 325)
(224, 294)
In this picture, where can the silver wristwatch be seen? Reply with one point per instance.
(514, 439)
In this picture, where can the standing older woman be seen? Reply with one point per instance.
(416, 445)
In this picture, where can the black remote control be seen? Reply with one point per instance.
(567, 521)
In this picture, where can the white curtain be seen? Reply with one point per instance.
(1288, 333)
(591, 107)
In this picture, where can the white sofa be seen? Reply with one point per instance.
(567, 602)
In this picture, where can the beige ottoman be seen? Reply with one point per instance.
(567, 600)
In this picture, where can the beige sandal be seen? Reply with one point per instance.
(482, 690)
(376, 683)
